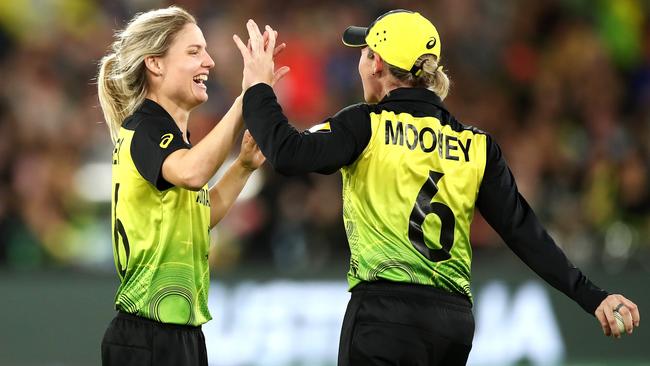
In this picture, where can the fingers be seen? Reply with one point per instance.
(628, 311)
(260, 157)
(623, 315)
(250, 155)
(247, 141)
(270, 48)
(262, 42)
(633, 309)
(258, 56)
(257, 42)
(242, 47)
(247, 135)
(265, 38)
(250, 145)
(602, 319)
(611, 322)
(611, 303)
(605, 315)
(630, 314)
(279, 74)
(250, 141)
(279, 48)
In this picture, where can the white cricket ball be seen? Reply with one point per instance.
(619, 322)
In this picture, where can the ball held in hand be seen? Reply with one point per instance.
(619, 322)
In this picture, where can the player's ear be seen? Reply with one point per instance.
(377, 64)
(154, 65)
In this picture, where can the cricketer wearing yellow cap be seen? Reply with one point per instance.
(412, 177)
(420, 37)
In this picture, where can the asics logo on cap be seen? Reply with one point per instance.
(431, 43)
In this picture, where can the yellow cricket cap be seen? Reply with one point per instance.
(399, 36)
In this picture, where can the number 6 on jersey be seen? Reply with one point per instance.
(424, 207)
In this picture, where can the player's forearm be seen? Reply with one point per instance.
(267, 124)
(287, 150)
(531, 243)
(201, 162)
(224, 193)
(510, 215)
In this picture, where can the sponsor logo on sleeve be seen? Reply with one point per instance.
(165, 140)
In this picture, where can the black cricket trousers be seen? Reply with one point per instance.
(131, 340)
(396, 324)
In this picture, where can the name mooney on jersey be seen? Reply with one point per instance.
(427, 139)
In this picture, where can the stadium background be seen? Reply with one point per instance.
(564, 85)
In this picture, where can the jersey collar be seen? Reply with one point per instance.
(413, 95)
(154, 109)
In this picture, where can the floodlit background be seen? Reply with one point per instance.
(563, 85)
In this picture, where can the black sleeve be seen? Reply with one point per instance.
(291, 152)
(153, 140)
(508, 213)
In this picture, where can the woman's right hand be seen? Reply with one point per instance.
(250, 157)
(258, 55)
(626, 308)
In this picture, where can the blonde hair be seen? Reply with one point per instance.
(121, 81)
(432, 75)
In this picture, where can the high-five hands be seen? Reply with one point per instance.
(258, 55)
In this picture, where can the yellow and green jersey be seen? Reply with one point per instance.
(160, 231)
(408, 201)
(412, 178)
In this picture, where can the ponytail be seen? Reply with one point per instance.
(121, 80)
(433, 75)
(111, 97)
(430, 75)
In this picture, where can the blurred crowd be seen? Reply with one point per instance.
(563, 86)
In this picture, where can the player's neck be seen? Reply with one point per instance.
(392, 84)
(179, 114)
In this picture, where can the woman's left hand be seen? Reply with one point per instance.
(250, 156)
(258, 56)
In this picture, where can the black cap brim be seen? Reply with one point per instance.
(355, 36)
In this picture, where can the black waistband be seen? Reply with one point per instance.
(410, 289)
(123, 315)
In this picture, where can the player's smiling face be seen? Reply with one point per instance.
(371, 86)
(185, 68)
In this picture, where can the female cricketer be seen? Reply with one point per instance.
(412, 176)
(162, 208)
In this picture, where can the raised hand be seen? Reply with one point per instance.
(258, 55)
